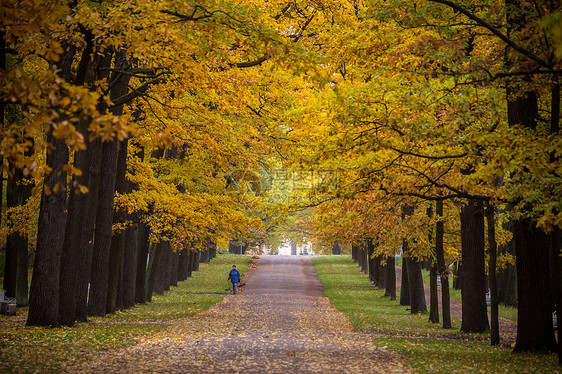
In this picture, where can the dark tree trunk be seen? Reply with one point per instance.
(107, 252)
(336, 250)
(157, 270)
(293, 249)
(442, 267)
(169, 267)
(492, 246)
(534, 315)
(205, 256)
(390, 278)
(473, 290)
(405, 286)
(143, 250)
(195, 260)
(371, 267)
(434, 296)
(73, 259)
(417, 292)
(44, 296)
(174, 269)
(190, 259)
(354, 252)
(234, 248)
(183, 264)
(44, 293)
(129, 274)
(97, 303)
(213, 250)
(155, 252)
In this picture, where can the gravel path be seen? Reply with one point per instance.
(279, 323)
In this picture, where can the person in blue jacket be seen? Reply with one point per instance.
(234, 277)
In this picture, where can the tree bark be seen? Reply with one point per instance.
(473, 290)
(336, 250)
(390, 275)
(97, 303)
(405, 284)
(129, 275)
(143, 250)
(195, 260)
(183, 264)
(442, 267)
(535, 330)
(434, 297)
(44, 295)
(417, 292)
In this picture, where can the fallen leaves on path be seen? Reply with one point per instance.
(266, 330)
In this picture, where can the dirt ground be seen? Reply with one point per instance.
(279, 323)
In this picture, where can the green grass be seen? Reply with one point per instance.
(425, 347)
(459, 356)
(352, 292)
(26, 349)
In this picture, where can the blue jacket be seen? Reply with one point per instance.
(234, 276)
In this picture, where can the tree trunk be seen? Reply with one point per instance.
(492, 246)
(390, 275)
(417, 292)
(473, 290)
(156, 281)
(213, 250)
(195, 260)
(143, 250)
(336, 250)
(205, 255)
(405, 286)
(442, 267)
(190, 258)
(86, 237)
(97, 303)
(183, 264)
(354, 252)
(130, 258)
(434, 297)
(535, 331)
(44, 295)
(153, 259)
(174, 269)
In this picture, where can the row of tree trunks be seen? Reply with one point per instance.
(381, 271)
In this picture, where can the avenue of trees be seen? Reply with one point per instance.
(133, 132)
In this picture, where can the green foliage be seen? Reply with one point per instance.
(25, 349)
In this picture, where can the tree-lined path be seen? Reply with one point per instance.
(280, 323)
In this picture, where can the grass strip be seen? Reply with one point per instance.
(25, 349)
(426, 347)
